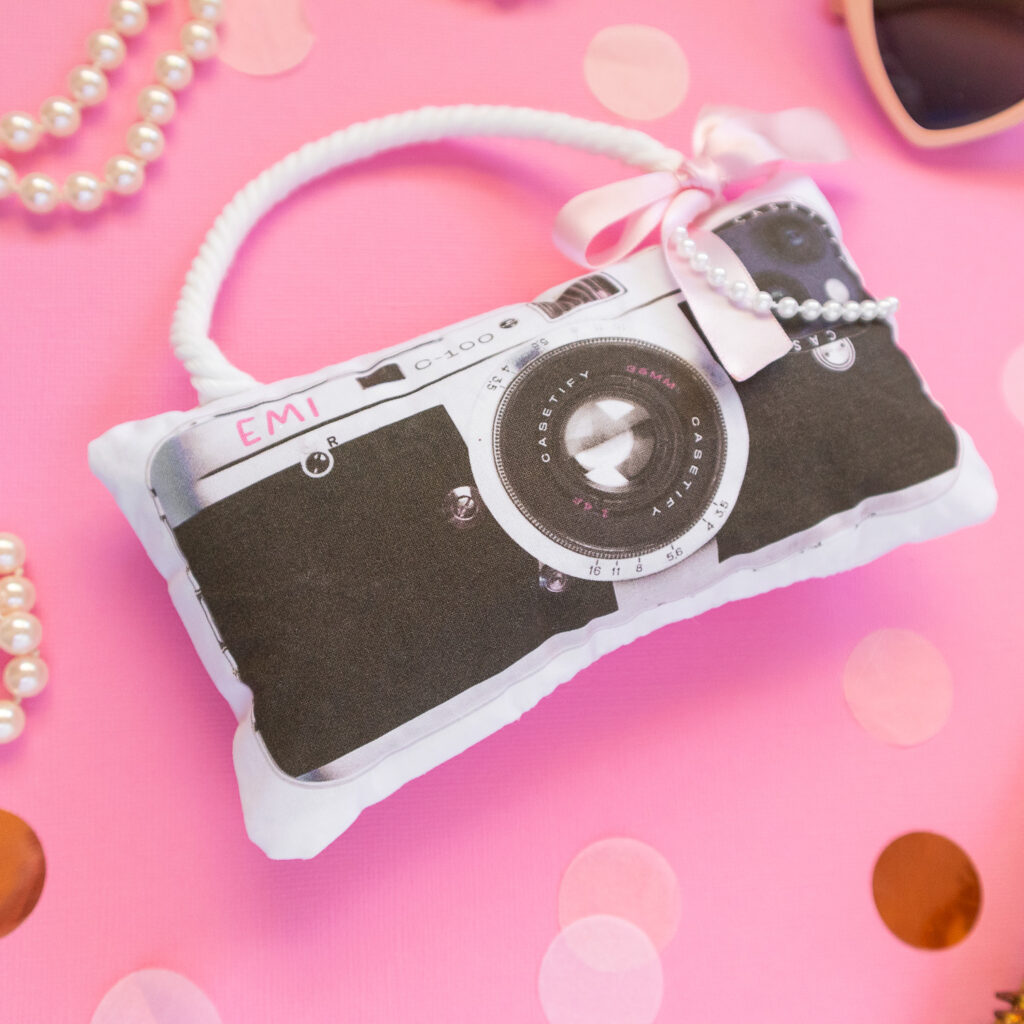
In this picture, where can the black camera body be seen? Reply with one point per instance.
(840, 418)
(387, 546)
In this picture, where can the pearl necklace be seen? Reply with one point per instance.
(20, 634)
(61, 117)
(761, 303)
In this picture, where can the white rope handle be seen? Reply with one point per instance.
(213, 375)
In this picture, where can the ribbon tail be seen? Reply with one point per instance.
(744, 343)
(637, 204)
(744, 142)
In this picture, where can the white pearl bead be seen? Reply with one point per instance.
(738, 293)
(680, 234)
(8, 185)
(810, 309)
(173, 70)
(20, 632)
(106, 49)
(88, 85)
(39, 193)
(891, 305)
(687, 248)
(787, 307)
(129, 17)
(124, 175)
(12, 721)
(831, 311)
(700, 261)
(145, 141)
(19, 131)
(851, 311)
(27, 676)
(59, 117)
(762, 303)
(717, 277)
(83, 192)
(156, 104)
(210, 11)
(12, 552)
(17, 594)
(868, 309)
(198, 40)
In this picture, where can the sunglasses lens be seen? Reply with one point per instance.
(952, 62)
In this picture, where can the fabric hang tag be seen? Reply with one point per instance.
(744, 342)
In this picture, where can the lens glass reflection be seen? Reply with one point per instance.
(611, 440)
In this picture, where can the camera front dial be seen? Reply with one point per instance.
(610, 457)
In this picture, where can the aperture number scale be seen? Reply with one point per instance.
(599, 568)
(498, 380)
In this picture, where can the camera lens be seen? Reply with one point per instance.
(778, 285)
(611, 440)
(791, 236)
(610, 446)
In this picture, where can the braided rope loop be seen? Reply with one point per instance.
(213, 375)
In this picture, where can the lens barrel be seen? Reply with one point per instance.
(611, 447)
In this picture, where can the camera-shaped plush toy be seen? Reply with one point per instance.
(405, 532)
(384, 562)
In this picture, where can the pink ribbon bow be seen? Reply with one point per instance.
(731, 147)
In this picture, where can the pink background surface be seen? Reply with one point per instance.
(725, 742)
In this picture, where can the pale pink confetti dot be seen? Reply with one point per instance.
(898, 686)
(265, 37)
(1013, 383)
(601, 970)
(155, 996)
(624, 878)
(636, 71)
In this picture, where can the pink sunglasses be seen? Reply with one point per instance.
(945, 71)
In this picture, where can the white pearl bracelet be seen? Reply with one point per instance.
(762, 303)
(61, 116)
(26, 674)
